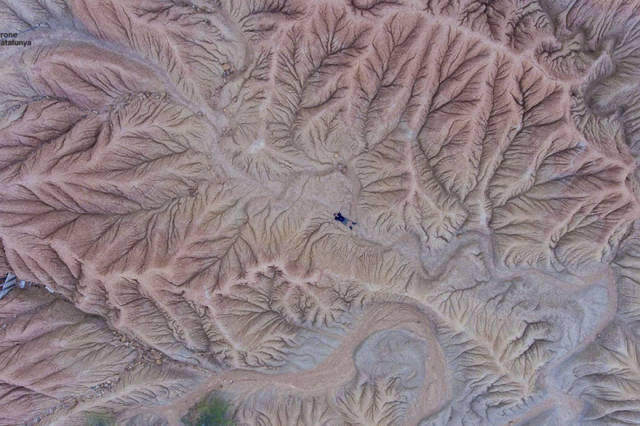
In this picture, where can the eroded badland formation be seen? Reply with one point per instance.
(172, 172)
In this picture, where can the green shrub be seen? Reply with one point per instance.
(94, 419)
(214, 411)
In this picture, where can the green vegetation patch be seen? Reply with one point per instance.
(213, 411)
(95, 419)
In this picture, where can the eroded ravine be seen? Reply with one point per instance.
(338, 368)
(171, 171)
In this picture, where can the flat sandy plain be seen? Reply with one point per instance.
(169, 171)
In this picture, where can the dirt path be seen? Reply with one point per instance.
(338, 368)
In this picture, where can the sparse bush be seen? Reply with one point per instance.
(213, 411)
(95, 419)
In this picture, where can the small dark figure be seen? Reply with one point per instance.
(227, 70)
(348, 222)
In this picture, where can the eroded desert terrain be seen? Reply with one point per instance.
(169, 175)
